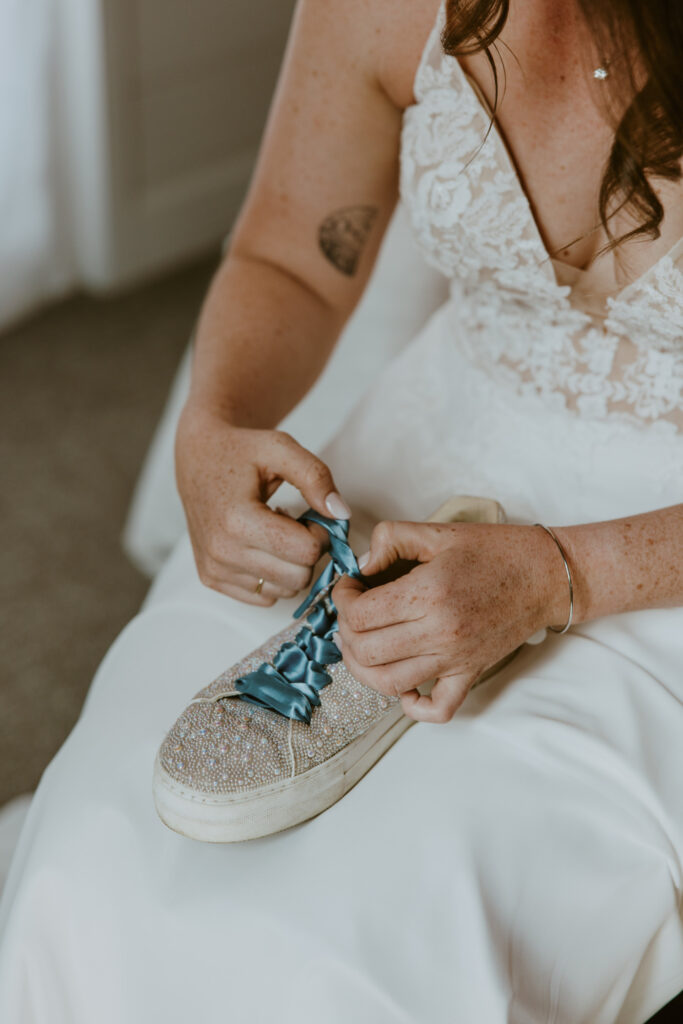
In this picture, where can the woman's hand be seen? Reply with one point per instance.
(225, 476)
(480, 591)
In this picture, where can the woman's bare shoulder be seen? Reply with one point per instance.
(387, 36)
(406, 29)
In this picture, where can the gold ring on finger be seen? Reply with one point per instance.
(259, 585)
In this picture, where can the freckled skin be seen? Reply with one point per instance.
(481, 590)
(279, 300)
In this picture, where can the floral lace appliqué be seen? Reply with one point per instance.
(473, 221)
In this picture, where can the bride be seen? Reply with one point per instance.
(521, 860)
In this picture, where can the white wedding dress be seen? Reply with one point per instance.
(524, 862)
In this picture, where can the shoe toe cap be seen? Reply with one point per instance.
(226, 746)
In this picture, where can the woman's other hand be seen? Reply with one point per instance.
(479, 592)
(225, 475)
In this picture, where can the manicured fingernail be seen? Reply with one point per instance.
(337, 507)
(337, 639)
(363, 560)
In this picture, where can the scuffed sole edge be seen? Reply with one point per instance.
(232, 818)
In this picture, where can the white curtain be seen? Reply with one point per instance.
(35, 258)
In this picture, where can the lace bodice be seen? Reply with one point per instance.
(525, 318)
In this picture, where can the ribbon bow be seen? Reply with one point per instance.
(291, 683)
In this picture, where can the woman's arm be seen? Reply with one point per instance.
(304, 245)
(301, 252)
(621, 565)
(481, 590)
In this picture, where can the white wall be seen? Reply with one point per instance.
(35, 262)
(186, 91)
(128, 130)
(176, 102)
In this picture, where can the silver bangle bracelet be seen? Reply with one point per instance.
(564, 629)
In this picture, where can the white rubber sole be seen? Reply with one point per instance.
(232, 818)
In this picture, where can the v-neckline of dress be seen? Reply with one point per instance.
(508, 163)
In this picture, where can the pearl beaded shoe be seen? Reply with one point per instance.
(287, 731)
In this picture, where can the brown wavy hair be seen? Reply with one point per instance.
(648, 139)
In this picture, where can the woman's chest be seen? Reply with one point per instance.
(554, 129)
(590, 344)
(547, 110)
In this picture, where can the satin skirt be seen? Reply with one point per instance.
(519, 864)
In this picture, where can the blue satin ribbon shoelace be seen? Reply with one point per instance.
(291, 683)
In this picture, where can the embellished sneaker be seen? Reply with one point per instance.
(287, 731)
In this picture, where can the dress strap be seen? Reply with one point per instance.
(675, 254)
(432, 55)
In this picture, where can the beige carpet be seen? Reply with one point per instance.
(81, 388)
